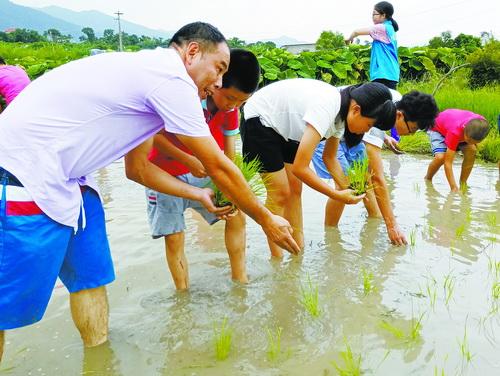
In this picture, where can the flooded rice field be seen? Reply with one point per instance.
(430, 308)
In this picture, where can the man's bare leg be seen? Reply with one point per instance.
(2, 340)
(90, 312)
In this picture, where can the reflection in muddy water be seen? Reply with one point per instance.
(404, 310)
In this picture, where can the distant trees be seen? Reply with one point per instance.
(89, 35)
(466, 41)
(21, 35)
(329, 40)
(236, 42)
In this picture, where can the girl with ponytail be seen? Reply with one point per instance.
(384, 64)
(284, 123)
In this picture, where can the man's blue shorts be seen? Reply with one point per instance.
(35, 250)
(346, 156)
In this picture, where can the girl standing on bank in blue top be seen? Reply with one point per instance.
(384, 65)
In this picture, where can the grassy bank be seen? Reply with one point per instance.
(455, 94)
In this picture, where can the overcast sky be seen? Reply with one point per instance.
(251, 20)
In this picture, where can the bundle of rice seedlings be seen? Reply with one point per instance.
(250, 171)
(359, 177)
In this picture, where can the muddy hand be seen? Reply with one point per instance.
(280, 232)
(206, 197)
(396, 236)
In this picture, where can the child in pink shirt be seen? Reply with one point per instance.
(12, 80)
(456, 129)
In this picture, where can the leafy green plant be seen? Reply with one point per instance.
(250, 171)
(310, 297)
(367, 281)
(274, 343)
(222, 339)
(352, 363)
(359, 177)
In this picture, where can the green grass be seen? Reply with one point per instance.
(351, 363)
(222, 339)
(310, 298)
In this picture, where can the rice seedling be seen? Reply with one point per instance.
(416, 326)
(464, 347)
(463, 187)
(459, 231)
(495, 290)
(416, 189)
(430, 229)
(492, 220)
(222, 339)
(432, 292)
(468, 215)
(352, 363)
(413, 237)
(274, 343)
(409, 337)
(438, 372)
(359, 177)
(494, 266)
(250, 171)
(367, 281)
(310, 297)
(449, 287)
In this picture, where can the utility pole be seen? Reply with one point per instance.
(120, 42)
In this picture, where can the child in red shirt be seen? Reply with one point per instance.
(456, 129)
(166, 212)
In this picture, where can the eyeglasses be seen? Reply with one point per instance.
(375, 14)
(406, 122)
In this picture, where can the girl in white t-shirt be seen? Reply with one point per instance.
(286, 120)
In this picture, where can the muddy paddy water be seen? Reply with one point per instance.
(425, 309)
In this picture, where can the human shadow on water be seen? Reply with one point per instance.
(100, 360)
(359, 277)
(451, 223)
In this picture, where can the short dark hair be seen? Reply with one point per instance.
(420, 108)
(375, 101)
(243, 73)
(477, 129)
(206, 35)
(386, 8)
(2, 61)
